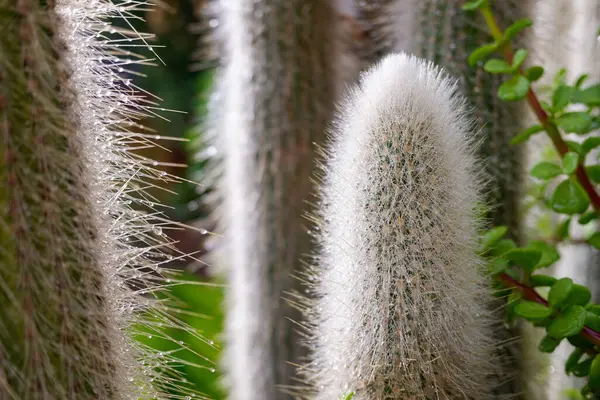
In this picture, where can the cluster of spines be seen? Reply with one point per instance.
(400, 308)
(82, 242)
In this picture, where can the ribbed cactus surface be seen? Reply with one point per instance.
(276, 93)
(446, 36)
(400, 309)
(75, 258)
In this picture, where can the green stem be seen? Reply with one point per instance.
(533, 101)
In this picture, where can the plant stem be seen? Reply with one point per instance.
(533, 101)
(531, 295)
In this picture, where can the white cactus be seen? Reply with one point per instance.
(401, 300)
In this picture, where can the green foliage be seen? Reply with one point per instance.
(566, 312)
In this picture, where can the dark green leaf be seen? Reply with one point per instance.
(580, 80)
(594, 308)
(559, 292)
(582, 369)
(589, 144)
(534, 73)
(514, 89)
(573, 359)
(497, 266)
(494, 235)
(497, 66)
(593, 172)
(588, 217)
(548, 344)
(580, 295)
(574, 146)
(592, 321)
(542, 280)
(569, 323)
(562, 97)
(575, 122)
(481, 52)
(519, 58)
(594, 381)
(472, 5)
(594, 240)
(562, 230)
(578, 341)
(504, 246)
(549, 253)
(546, 170)
(517, 27)
(589, 96)
(526, 134)
(532, 311)
(569, 198)
(526, 258)
(570, 161)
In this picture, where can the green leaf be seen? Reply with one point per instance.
(542, 280)
(592, 321)
(514, 89)
(574, 146)
(594, 381)
(504, 246)
(559, 292)
(559, 78)
(481, 52)
(593, 308)
(562, 230)
(570, 161)
(569, 198)
(546, 170)
(534, 73)
(527, 258)
(569, 323)
(532, 311)
(580, 80)
(562, 97)
(575, 122)
(589, 144)
(493, 236)
(573, 359)
(517, 27)
(519, 58)
(549, 253)
(497, 266)
(579, 296)
(348, 396)
(588, 217)
(582, 369)
(594, 240)
(593, 172)
(512, 302)
(470, 6)
(497, 66)
(526, 134)
(578, 341)
(589, 96)
(548, 344)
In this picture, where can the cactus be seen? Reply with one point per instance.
(76, 258)
(275, 98)
(400, 309)
(447, 37)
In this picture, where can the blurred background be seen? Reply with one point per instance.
(184, 83)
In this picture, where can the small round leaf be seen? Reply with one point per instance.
(569, 198)
(569, 323)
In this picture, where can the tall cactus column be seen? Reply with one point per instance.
(400, 311)
(447, 35)
(276, 99)
(55, 335)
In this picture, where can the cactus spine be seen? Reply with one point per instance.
(73, 250)
(276, 98)
(400, 310)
